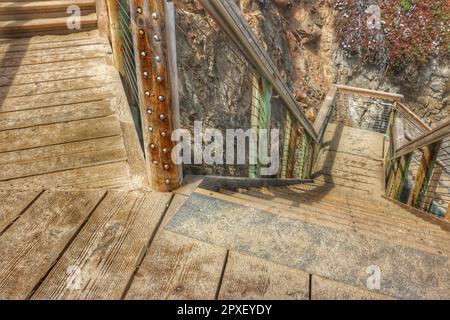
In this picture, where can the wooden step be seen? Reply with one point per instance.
(43, 6)
(33, 27)
(40, 15)
(380, 214)
(375, 210)
(332, 220)
(365, 203)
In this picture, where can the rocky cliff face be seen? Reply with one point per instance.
(301, 37)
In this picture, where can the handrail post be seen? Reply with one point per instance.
(434, 183)
(423, 176)
(101, 9)
(114, 32)
(155, 93)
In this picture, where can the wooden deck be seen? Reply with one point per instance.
(114, 245)
(77, 220)
(64, 119)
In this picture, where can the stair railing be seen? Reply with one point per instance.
(250, 93)
(417, 163)
(335, 108)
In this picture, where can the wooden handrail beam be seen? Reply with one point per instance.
(370, 93)
(430, 137)
(412, 116)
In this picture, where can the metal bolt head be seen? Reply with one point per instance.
(165, 150)
(157, 38)
(141, 32)
(152, 146)
(162, 116)
(166, 166)
(150, 129)
(161, 98)
(149, 111)
(143, 53)
(163, 134)
(167, 181)
(159, 78)
(155, 15)
(139, 10)
(145, 73)
(155, 162)
(158, 59)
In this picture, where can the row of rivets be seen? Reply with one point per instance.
(161, 98)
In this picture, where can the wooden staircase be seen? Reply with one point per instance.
(334, 228)
(33, 18)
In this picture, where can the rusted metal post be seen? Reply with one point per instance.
(155, 94)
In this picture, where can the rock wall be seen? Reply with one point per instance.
(300, 37)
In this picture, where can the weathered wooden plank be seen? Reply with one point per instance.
(55, 99)
(34, 242)
(13, 203)
(93, 34)
(42, 47)
(114, 34)
(102, 17)
(41, 6)
(37, 88)
(9, 28)
(437, 134)
(249, 278)
(78, 70)
(324, 289)
(28, 54)
(100, 177)
(177, 267)
(39, 69)
(108, 248)
(51, 134)
(37, 117)
(38, 161)
(19, 61)
(412, 116)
